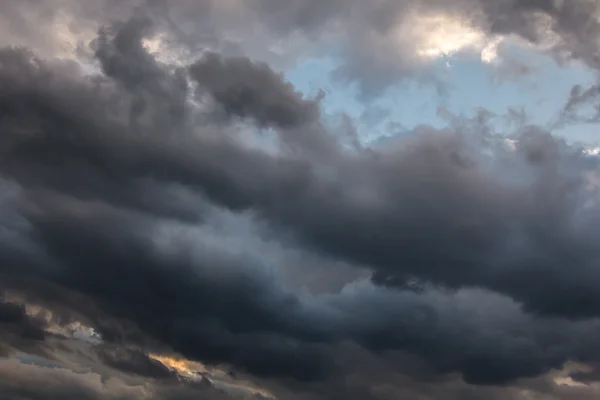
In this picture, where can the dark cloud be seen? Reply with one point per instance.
(134, 361)
(29, 381)
(247, 89)
(215, 316)
(591, 376)
(579, 101)
(110, 180)
(17, 329)
(371, 379)
(123, 58)
(218, 308)
(573, 23)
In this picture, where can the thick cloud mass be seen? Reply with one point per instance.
(16, 323)
(242, 88)
(115, 177)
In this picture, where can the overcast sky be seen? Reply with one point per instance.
(299, 199)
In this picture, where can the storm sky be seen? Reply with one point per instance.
(299, 199)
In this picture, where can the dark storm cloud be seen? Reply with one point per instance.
(16, 325)
(588, 377)
(218, 310)
(29, 381)
(371, 380)
(461, 220)
(484, 337)
(135, 362)
(163, 295)
(40, 386)
(158, 95)
(248, 89)
(454, 209)
(214, 310)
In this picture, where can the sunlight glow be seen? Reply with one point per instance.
(438, 36)
(442, 35)
(218, 377)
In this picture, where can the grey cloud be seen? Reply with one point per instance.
(28, 381)
(371, 379)
(574, 23)
(579, 98)
(587, 377)
(482, 335)
(453, 210)
(228, 313)
(372, 55)
(486, 337)
(122, 56)
(378, 320)
(309, 16)
(19, 330)
(47, 386)
(375, 58)
(247, 89)
(134, 361)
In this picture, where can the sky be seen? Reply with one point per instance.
(299, 200)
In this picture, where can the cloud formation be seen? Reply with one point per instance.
(134, 199)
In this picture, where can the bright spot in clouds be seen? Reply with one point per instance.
(218, 377)
(442, 35)
(439, 35)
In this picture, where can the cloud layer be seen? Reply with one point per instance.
(167, 199)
